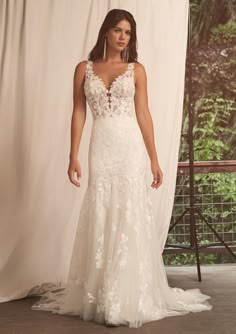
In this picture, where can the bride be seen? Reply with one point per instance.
(117, 276)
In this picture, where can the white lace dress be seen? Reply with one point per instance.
(117, 275)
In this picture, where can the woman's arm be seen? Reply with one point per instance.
(79, 109)
(77, 120)
(144, 119)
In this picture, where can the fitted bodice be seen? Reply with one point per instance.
(117, 100)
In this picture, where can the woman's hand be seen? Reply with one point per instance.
(157, 175)
(74, 167)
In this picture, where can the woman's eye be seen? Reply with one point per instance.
(127, 32)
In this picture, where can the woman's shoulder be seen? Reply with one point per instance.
(139, 69)
(138, 65)
(82, 64)
(80, 67)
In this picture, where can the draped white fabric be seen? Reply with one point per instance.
(41, 43)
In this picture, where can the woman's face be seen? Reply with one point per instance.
(119, 36)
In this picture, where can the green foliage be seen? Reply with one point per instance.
(213, 63)
(211, 127)
(223, 33)
(215, 194)
(203, 65)
(188, 259)
(221, 183)
(194, 8)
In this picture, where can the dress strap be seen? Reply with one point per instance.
(88, 70)
(130, 69)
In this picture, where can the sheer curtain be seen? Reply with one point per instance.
(41, 43)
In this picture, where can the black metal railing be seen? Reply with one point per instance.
(215, 196)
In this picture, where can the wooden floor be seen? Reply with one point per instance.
(219, 282)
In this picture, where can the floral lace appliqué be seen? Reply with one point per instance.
(117, 100)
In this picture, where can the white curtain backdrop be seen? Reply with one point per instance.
(41, 42)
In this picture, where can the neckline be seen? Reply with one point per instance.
(113, 82)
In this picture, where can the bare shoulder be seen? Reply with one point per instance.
(140, 72)
(80, 69)
(139, 66)
(82, 64)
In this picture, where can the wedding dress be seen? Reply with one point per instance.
(117, 274)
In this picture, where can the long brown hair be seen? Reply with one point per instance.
(112, 18)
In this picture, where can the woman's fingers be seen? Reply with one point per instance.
(157, 179)
(155, 184)
(74, 167)
(72, 178)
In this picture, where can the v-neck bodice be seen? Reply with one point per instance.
(117, 100)
(113, 81)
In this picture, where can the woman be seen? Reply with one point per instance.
(117, 275)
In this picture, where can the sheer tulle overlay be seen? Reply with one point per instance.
(117, 275)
